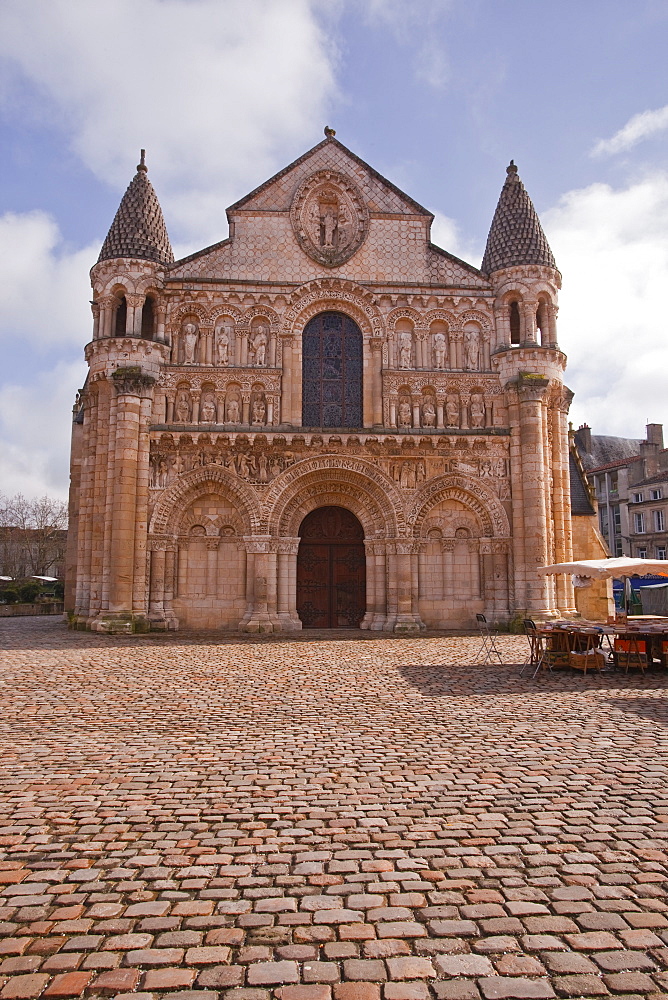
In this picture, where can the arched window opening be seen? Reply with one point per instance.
(121, 318)
(148, 319)
(514, 323)
(332, 372)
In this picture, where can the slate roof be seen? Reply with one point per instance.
(609, 452)
(138, 229)
(516, 235)
(581, 505)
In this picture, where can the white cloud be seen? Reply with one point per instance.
(217, 93)
(612, 248)
(639, 127)
(446, 234)
(417, 23)
(35, 428)
(44, 286)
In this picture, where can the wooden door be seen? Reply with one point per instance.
(331, 570)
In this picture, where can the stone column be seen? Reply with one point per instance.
(140, 585)
(106, 304)
(448, 549)
(474, 566)
(440, 413)
(95, 309)
(170, 579)
(417, 416)
(134, 305)
(371, 585)
(376, 345)
(406, 620)
(456, 349)
(262, 590)
(532, 471)
(502, 325)
(287, 584)
(245, 408)
(160, 319)
(157, 592)
(393, 411)
(131, 387)
(286, 382)
(212, 546)
(529, 313)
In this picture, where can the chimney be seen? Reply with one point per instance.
(583, 438)
(655, 434)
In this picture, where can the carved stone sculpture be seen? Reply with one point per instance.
(190, 339)
(452, 411)
(233, 414)
(258, 346)
(404, 415)
(440, 351)
(182, 406)
(428, 414)
(405, 349)
(223, 340)
(259, 414)
(471, 350)
(207, 410)
(477, 410)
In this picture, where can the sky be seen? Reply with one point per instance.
(438, 95)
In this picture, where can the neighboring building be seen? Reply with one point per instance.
(323, 420)
(630, 480)
(594, 602)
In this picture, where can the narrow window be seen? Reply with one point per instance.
(639, 520)
(659, 521)
(121, 318)
(514, 323)
(147, 319)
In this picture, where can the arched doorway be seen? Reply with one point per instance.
(331, 569)
(332, 372)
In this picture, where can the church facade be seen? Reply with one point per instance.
(322, 421)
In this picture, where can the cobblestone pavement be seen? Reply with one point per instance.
(325, 818)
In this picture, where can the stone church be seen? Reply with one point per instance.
(322, 421)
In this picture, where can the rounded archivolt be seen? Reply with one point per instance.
(331, 481)
(467, 491)
(329, 217)
(175, 501)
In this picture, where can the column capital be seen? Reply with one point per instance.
(131, 381)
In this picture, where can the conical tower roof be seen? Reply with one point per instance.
(516, 235)
(138, 229)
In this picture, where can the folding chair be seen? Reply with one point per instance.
(488, 637)
(536, 647)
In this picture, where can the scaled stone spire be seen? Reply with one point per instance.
(138, 229)
(516, 235)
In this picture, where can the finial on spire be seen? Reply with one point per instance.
(329, 132)
(142, 165)
(511, 168)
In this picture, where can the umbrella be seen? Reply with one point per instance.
(585, 571)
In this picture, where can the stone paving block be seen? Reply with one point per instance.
(329, 834)
(580, 985)
(68, 984)
(502, 987)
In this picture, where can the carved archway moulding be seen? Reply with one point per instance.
(470, 492)
(175, 501)
(329, 217)
(265, 312)
(440, 315)
(473, 316)
(371, 495)
(404, 312)
(219, 311)
(178, 314)
(333, 294)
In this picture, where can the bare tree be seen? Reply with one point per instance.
(32, 535)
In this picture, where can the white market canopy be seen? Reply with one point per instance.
(46, 579)
(604, 569)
